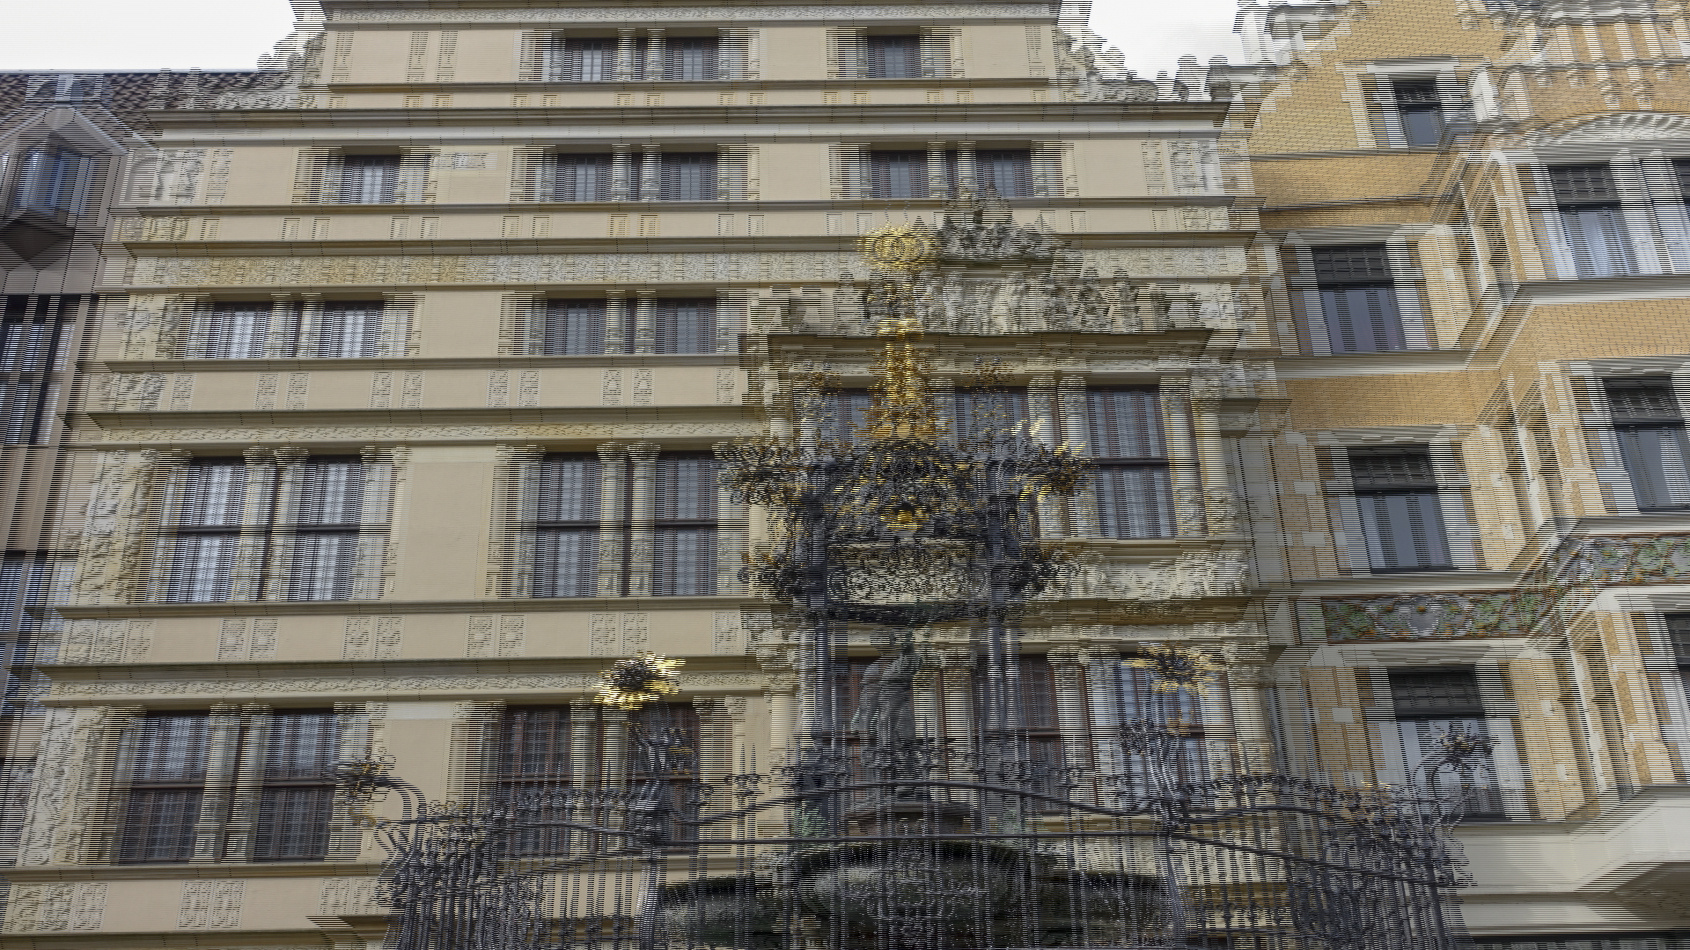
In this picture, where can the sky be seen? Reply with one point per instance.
(232, 34)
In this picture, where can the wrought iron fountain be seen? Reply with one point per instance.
(872, 831)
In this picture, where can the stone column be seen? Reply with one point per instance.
(1076, 431)
(1246, 678)
(1072, 716)
(1043, 420)
(654, 54)
(583, 733)
(625, 66)
(616, 322)
(621, 173)
(286, 318)
(253, 555)
(618, 744)
(967, 176)
(310, 325)
(651, 173)
(613, 471)
(956, 666)
(270, 525)
(642, 486)
(938, 182)
(1186, 481)
(223, 763)
(645, 322)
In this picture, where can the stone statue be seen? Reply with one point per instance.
(885, 704)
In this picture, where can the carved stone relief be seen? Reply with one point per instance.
(37, 908)
(211, 905)
(110, 530)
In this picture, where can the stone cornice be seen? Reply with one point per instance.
(370, 608)
(345, 12)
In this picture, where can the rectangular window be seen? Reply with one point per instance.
(1180, 711)
(988, 416)
(583, 59)
(31, 583)
(898, 174)
(1134, 492)
(237, 330)
(53, 181)
(247, 330)
(892, 57)
(166, 788)
(347, 329)
(1396, 490)
(211, 496)
(296, 800)
(690, 58)
(368, 179)
(566, 527)
(677, 774)
(1358, 298)
(35, 337)
(1005, 172)
(1420, 109)
(573, 328)
(1678, 635)
(581, 177)
(845, 415)
(1036, 680)
(546, 750)
(1590, 212)
(684, 527)
(685, 325)
(326, 521)
(1429, 704)
(687, 176)
(1650, 430)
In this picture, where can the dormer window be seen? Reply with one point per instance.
(52, 180)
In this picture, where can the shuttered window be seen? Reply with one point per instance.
(368, 179)
(166, 788)
(898, 174)
(1589, 207)
(324, 532)
(892, 57)
(685, 324)
(1134, 493)
(581, 177)
(691, 58)
(566, 526)
(1358, 299)
(684, 549)
(297, 799)
(1650, 429)
(573, 328)
(1396, 490)
(207, 531)
(1430, 703)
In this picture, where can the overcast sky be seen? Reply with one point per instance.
(232, 34)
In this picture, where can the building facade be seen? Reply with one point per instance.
(416, 349)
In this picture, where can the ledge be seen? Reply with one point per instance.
(388, 608)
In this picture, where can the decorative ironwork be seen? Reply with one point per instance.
(643, 678)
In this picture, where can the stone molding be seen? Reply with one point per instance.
(355, 688)
(601, 15)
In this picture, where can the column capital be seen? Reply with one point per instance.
(611, 451)
(643, 452)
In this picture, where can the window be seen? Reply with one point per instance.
(1586, 941)
(685, 176)
(685, 325)
(1650, 430)
(35, 342)
(297, 799)
(1430, 703)
(566, 527)
(243, 330)
(165, 789)
(844, 415)
(1420, 109)
(684, 528)
(1358, 299)
(1396, 491)
(315, 540)
(30, 584)
(1589, 207)
(368, 179)
(1180, 711)
(1678, 634)
(892, 57)
(1005, 172)
(577, 177)
(988, 416)
(582, 59)
(1043, 727)
(169, 783)
(573, 328)
(53, 181)
(690, 58)
(324, 532)
(543, 750)
(1134, 494)
(900, 174)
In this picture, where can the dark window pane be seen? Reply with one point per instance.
(329, 508)
(1431, 703)
(677, 725)
(1401, 513)
(1678, 632)
(167, 785)
(210, 496)
(1126, 424)
(687, 176)
(297, 799)
(368, 179)
(1435, 693)
(233, 331)
(583, 59)
(984, 416)
(1134, 494)
(1649, 427)
(1358, 299)
(690, 58)
(1007, 173)
(684, 560)
(573, 328)
(347, 330)
(1420, 109)
(33, 338)
(895, 175)
(1180, 711)
(53, 181)
(1583, 185)
(892, 57)
(578, 177)
(566, 527)
(845, 415)
(685, 325)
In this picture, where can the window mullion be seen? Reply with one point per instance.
(242, 782)
(222, 765)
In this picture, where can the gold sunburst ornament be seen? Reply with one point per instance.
(642, 678)
(900, 247)
(1173, 669)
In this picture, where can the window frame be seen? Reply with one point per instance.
(1473, 715)
(1426, 488)
(1377, 283)
(589, 526)
(1162, 518)
(357, 190)
(1628, 430)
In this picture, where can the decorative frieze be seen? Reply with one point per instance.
(211, 905)
(598, 15)
(1191, 576)
(353, 688)
(49, 908)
